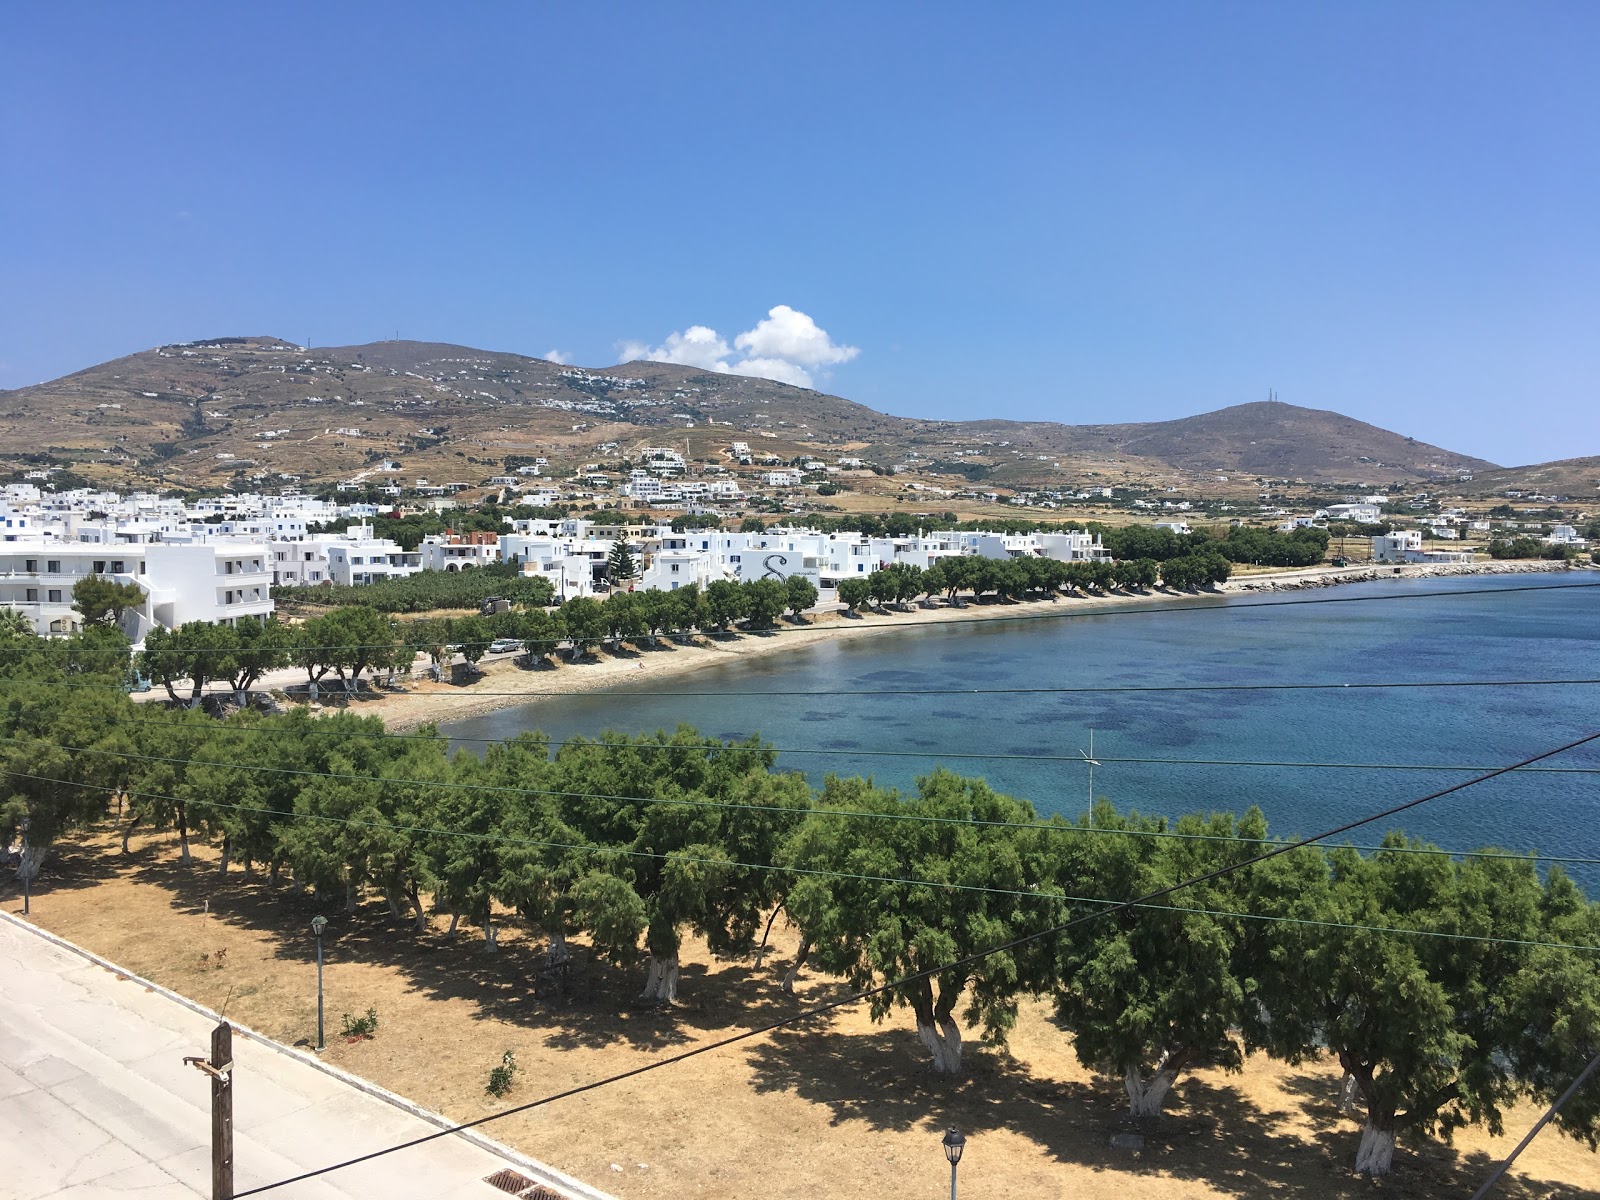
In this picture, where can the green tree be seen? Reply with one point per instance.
(264, 646)
(1151, 992)
(197, 651)
(764, 601)
(726, 603)
(689, 826)
(621, 563)
(14, 626)
(854, 592)
(871, 929)
(585, 623)
(801, 594)
(100, 601)
(1429, 1031)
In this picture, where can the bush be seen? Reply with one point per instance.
(428, 590)
(357, 1028)
(501, 1077)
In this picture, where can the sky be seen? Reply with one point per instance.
(1055, 211)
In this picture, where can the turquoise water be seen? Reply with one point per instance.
(1401, 634)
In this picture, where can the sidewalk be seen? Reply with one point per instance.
(95, 1100)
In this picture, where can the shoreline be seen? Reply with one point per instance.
(504, 684)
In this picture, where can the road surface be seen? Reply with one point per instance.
(95, 1100)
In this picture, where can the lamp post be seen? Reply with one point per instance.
(318, 924)
(27, 875)
(954, 1144)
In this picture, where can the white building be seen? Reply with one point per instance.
(459, 551)
(200, 581)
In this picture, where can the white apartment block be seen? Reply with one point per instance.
(457, 552)
(215, 581)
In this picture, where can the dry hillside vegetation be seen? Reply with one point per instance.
(240, 407)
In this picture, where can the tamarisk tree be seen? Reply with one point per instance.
(922, 884)
(1151, 991)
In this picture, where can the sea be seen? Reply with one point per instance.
(1022, 702)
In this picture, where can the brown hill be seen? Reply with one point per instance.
(259, 409)
(1577, 478)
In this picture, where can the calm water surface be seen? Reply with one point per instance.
(1492, 633)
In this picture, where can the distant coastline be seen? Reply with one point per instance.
(505, 684)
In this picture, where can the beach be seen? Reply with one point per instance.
(509, 681)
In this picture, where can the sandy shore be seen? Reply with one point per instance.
(504, 683)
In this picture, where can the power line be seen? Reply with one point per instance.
(1532, 1133)
(965, 961)
(1194, 604)
(854, 877)
(689, 802)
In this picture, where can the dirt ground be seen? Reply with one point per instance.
(841, 1108)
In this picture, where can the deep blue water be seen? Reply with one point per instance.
(1400, 635)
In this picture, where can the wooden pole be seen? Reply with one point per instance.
(222, 1112)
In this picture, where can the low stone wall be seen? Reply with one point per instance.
(1380, 571)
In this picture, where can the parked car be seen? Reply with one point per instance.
(504, 645)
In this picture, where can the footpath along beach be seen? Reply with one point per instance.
(505, 683)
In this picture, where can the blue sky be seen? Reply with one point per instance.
(1076, 212)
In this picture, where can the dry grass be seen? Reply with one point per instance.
(844, 1107)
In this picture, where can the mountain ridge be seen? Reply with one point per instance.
(213, 410)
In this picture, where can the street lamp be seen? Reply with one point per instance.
(27, 875)
(318, 924)
(954, 1144)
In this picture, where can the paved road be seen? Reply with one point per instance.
(95, 1100)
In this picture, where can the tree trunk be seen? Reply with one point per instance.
(272, 873)
(415, 896)
(937, 1029)
(455, 918)
(1146, 1096)
(761, 953)
(661, 984)
(942, 1037)
(350, 896)
(491, 936)
(227, 853)
(184, 857)
(128, 832)
(557, 956)
(30, 862)
(800, 956)
(1349, 1094)
(1376, 1154)
(393, 902)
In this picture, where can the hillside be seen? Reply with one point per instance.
(259, 409)
(1578, 478)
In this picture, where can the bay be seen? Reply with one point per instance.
(899, 702)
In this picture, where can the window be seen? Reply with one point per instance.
(228, 568)
(100, 566)
(118, 567)
(31, 565)
(53, 566)
(55, 595)
(674, 568)
(32, 595)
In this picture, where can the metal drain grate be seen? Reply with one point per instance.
(510, 1181)
(520, 1186)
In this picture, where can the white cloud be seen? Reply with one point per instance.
(774, 368)
(557, 357)
(794, 337)
(786, 345)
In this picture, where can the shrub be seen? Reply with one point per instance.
(356, 1028)
(501, 1077)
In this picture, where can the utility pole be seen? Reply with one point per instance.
(26, 871)
(220, 1068)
